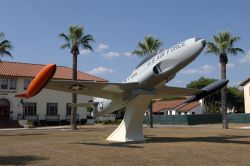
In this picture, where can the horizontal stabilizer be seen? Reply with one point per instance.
(89, 104)
(211, 88)
(24, 95)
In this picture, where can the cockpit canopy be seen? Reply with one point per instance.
(147, 58)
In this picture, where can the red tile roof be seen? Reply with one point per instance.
(189, 107)
(18, 69)
(160, 105)
(173, 104)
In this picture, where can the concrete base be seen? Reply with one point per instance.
(130, 128)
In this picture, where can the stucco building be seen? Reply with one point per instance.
(246, 86)
(48, 105)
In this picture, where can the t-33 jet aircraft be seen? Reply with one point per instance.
(146, 82)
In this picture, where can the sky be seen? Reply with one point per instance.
(117, 26)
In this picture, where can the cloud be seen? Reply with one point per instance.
(246, 58)
(111, 55)
(101, 47)
(205, 69)
(229, 65)
(128, 54)
(85, 52)
(178, 81)
(101, 70)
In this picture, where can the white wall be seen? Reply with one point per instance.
(196, 110)
(44, 97)
(247, 97)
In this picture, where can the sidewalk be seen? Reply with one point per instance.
(38, 128)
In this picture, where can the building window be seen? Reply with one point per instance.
(30, 109)
(185, 113)
(193, 113)
(68, 109)
(26, 83)
(52, 108)
(8, 83)
(12, 84)
(4, 83)
(179, 113)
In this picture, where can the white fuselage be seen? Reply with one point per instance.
(163, 66)
(158, 69)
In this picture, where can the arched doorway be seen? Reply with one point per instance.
(4, 109)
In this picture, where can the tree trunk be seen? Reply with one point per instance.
(74, 95)
(150, 108)
(224, 94)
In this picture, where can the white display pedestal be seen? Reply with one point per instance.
(130, 128)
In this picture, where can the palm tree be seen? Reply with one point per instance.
(222, 45)
(5, 46)
(147, 47)
(73, 40)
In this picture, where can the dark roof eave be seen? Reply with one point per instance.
(244, 82)
(180, 110)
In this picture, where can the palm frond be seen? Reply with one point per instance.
(148, 46)
(75, 34)
(65, 37)
(88, 38)
(223, 44)
(235, 51)
(6, 44)
(138, 52)
(143, 47)
(85, 40)
(2, 35)
(77, 38)
(67, 45)
(4, 53)
(88, 47)
(212, 48)
(233, 40)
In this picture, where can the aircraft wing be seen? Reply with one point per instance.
(195, 94)
(112, 90)
(167, 91)
(85, 105)
(96, 89)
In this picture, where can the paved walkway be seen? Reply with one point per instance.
(38, 128)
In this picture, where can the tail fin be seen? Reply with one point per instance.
(39, 82)
(91, 104)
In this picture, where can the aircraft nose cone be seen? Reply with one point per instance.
(203, 42)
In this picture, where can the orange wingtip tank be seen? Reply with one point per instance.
(39, 81)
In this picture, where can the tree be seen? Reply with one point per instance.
(73, 40)
(222, 45)
(5, 46)
(200, 83)
(235, 100)
(148, 47)
(211, 102)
